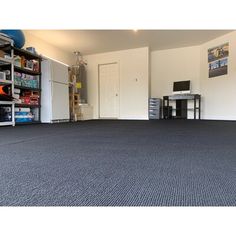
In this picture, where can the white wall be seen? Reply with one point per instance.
(189, 63)
(47, 49)
(172, 65)
(134, 76)
(219, 93)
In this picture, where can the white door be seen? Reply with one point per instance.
(109, 91)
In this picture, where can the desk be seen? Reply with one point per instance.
(181, 105)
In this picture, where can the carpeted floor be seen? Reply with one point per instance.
(119, 163)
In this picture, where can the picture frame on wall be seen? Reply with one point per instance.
(219, 67)
(218, 60)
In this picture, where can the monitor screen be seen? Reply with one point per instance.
(181, 86)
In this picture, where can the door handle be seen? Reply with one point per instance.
(116, 94)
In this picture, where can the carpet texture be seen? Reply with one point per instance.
(119, 163)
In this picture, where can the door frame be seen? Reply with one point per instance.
(118, 100)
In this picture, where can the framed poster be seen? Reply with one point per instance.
(218, 60)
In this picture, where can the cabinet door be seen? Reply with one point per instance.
(60, 72)
(60, 101)
(181, 109)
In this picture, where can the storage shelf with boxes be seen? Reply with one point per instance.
(27, 81)
(20, 84)
(6, 82)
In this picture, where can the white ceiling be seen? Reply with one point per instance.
(98, 41)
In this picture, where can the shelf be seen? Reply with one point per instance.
(28, 123)
(5, 40)
(3, 123)
(4, 81)
(188, 109)
(27, 54)
(26, 88)
(26, 71)
(179, 117)
(5, 47)
(5, 61)
(27, 105)
(6, 102)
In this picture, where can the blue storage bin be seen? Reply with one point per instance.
(23, 119)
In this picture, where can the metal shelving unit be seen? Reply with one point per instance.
(26, 71)
(5, 61)
(6, 45)
(35, 109)
(27, 88)
(28, 123)
(27, 105)
(4, 81)
(8, 63)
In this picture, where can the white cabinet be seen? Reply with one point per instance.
(60, 101)
(55, 92)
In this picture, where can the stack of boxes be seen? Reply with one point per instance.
(5, 111)
(23, 114)
(30, 97)
(4, 54)
(5, 74)
(25, 80)
(26, 64)
(16, 95)
(2, 75)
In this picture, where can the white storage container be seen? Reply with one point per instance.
(86, 112)
(2, 75)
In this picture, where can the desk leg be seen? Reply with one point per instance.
(163, 107)
(199, 110)
(194, 108)
(168, 110)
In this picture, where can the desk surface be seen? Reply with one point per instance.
(182, 96)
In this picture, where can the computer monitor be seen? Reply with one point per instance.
(180, 87)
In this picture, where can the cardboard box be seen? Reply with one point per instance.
(2, 53)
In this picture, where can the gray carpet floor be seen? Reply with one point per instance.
(119, 163)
